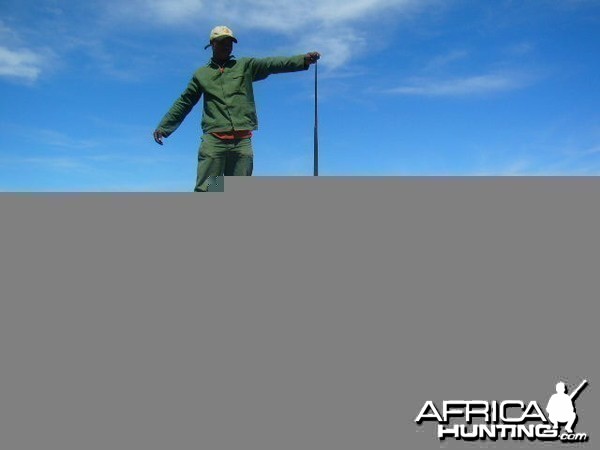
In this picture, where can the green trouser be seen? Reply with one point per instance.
(218, 157)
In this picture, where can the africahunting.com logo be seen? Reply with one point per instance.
(508, 419)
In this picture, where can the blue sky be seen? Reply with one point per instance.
(407, 87)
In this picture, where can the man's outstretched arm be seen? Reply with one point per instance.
(263, 67)
(180, 109)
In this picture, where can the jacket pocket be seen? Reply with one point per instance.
(238, 84)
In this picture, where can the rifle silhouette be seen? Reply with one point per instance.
(576, 392)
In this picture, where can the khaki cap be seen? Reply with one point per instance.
(221, 32)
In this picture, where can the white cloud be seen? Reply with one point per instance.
(465, 86)
(520, 49)
(286, 16)
(61, 140)
(441, 61)
(47, 137)
(51, 163)
(17, 60)
(337, 28)
(518, 167)
(20, 63)
(336, 48)
(169, 12)
(279, 15)
(588, 151)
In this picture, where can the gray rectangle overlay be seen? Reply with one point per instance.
(293, 313)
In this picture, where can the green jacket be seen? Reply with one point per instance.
(228, 94)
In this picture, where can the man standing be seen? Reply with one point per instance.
(229, 114)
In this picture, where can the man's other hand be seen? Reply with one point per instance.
(158, 137)
(311, 58)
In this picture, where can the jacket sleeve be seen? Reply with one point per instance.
(261, 68)
(181, 108)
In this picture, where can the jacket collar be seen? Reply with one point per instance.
(213, 63)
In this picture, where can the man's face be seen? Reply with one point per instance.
(222, 48)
